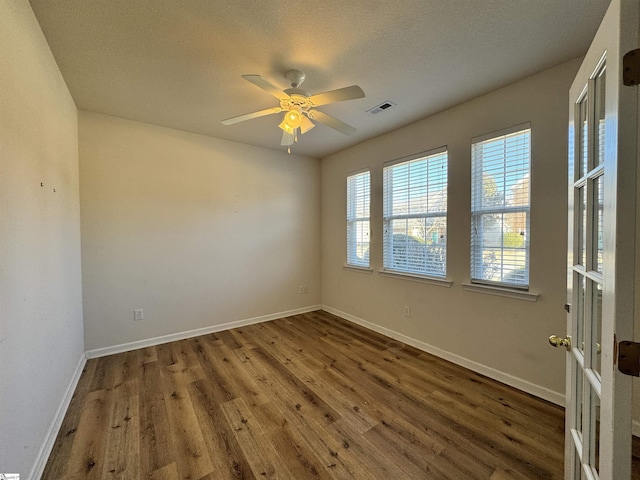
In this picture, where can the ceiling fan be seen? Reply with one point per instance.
(300, 106)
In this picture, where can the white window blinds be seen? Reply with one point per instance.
(415, 214)
(500, 177)
(358, 208)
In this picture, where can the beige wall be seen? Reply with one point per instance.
(41, 339)
(196, 231)
(503, 337)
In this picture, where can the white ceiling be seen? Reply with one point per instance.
(178, 63)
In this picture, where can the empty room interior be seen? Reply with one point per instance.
(190, 290)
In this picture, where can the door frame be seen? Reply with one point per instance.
(617, 34)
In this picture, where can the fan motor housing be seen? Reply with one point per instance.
(297, 98)
(295, 77)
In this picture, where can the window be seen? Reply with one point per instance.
(358, 207)
(500, 175)
(415, 214)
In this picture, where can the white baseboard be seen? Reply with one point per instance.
(56, 423)
(149, 342)
(635, 428)
(515, 382)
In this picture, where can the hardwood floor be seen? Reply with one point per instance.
(309, 396)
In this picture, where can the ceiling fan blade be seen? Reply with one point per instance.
(287, 139)
(332, 122)
(266, 85)
(339, 95)
(249, 116)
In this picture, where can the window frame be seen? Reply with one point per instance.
(353, 219)
(479, 212)
(389, 216)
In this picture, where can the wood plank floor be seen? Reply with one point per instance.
(308, 396)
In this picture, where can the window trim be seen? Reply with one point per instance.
(413, 275)
(501, 133)
(353, 221)
(499, 286)
(416, 156)
(355, 268)
(501, 291)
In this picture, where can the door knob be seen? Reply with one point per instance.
(557, 341)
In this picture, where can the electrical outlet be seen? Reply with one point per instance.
(407, 311)
(302, 289)
(138, 314)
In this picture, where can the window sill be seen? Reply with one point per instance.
(440, 282)
(501, 292)
(355, 268)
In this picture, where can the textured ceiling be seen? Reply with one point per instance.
(178, 63)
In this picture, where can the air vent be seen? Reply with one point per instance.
(381, 108)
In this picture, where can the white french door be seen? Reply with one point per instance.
(600, 283)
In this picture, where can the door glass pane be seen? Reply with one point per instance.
(591, 432)
(583, 138)
(598, 137)
(578, 396)
(581, 234)
(596, 326)
(580, 291)
(598, 228)
(594, 442)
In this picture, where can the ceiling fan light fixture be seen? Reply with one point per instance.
(286, 127)
(306, 125)
(293, 118)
